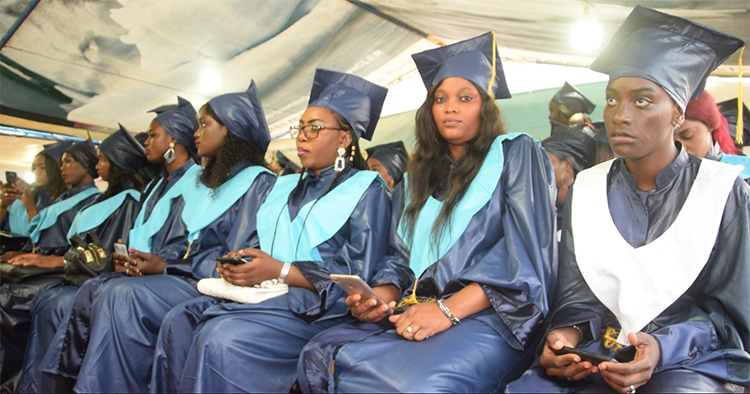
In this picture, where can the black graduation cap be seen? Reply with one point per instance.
(729, 110)
(570, 142)
(354, 98)
(179, 122)
(288, 166)
(56, 149)
(243, 115)
(122, 149)
(475, 59)
(572, 98)
(393, 156)
(164, 108)
(85, 153)
(675, 53)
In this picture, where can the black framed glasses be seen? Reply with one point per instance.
(311, 131)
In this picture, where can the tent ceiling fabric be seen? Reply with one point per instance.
(94, 63)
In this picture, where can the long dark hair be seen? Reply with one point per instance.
(120, 180)
(234, 150)
(428, 170)
(353, 156)
(55, 184)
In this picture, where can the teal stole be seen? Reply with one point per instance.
(297, 240)
(143, 232)
(738, 161)
(423, 252)
(48, 216)
(94, 215)
(202, 207)
(18, 219)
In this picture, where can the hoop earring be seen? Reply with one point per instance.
(169, 156)
(351, 157)
(340, 163)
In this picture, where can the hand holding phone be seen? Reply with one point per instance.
(593, 358)
(233, 260)
(353, 284)
(121, 249)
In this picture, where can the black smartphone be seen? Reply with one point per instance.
(593, 358)
(11, 177)
(233, 260)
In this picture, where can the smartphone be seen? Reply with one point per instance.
(121, 249)
(11, 177)
(353, 284)
(593, 358)
(233, 260)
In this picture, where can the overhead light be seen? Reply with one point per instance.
(586, 35)
(210, 81)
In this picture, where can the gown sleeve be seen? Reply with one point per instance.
(118, 224)
(170, 242)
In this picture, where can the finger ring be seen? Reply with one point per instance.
(409, 329)
(127, 272)
(632, 389)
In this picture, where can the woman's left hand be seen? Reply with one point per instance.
(26, 196)
(420, 321)
(261, 267)
(144, 264)
(37, 260)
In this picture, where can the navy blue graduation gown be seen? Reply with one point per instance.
(52, 304)
(259, 343)
(42, 199)
(706, 330)
(508, 248)
(127, 312)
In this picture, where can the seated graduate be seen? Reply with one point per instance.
(571, 107)
(220, 215)
(390, 161)
(332, 219)
(158, 229)
(47, 242)
(281, 165)
(655, 256)
(705, 133)
(20, 204)
(729, 109)
(111, 216)
(476, 222)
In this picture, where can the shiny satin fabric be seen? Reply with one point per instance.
(242, 114)
(127, 312)
(186, 359)
(16, 221)
(705, 330)
(179, 122)
(53, 305)
(508, 248)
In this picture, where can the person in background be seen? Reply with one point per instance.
(570, 107)
(729, 110)
(705, 133)
(389, 160)
(474, 218)
(655, 252)
(111, 217)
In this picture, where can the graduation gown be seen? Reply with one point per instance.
(706, 329)
(508, 247)
(717, 155)
(127, 312)
(52, 304)
(41, 200)
(65, 354)
(16, 298)
(265, 338)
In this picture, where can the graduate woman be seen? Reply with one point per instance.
(655, 252)
(48, 241)
(158, 228)
(478, 229)
(390, 161)
(110, 216)
(220, 216)
(332, 219)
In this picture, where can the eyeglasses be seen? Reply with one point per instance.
(311, 131)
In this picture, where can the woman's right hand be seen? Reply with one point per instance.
(566, 366)
(9, 195)
(368, 310)
(120, 260)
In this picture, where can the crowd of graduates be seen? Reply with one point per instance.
(612, 256)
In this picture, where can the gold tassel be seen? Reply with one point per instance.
(33, 247)
(494, 72)
(740, 125)
(188, 251)
(412, 299)
(610, 339)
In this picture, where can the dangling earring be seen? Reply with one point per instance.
(169, 156)
(340, 163)
(351, 157)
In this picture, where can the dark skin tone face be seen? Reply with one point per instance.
(102, 167)
(640, 118)
(39, 168)
(695, 138)
(457, 112)
(157, 143)
(564, 175)
(72, 172)
(320, 152)
(210, 135)
(375, 165)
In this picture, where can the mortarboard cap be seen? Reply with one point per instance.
(572, 98)
(289, 166)
(123, 150)
(56, 149)
(393, 156)
(354, 98)
(85, 153)
(179, 122)
(570, 142)
(729, 110)
(675, 53)
(243, 116)
(475, 59)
